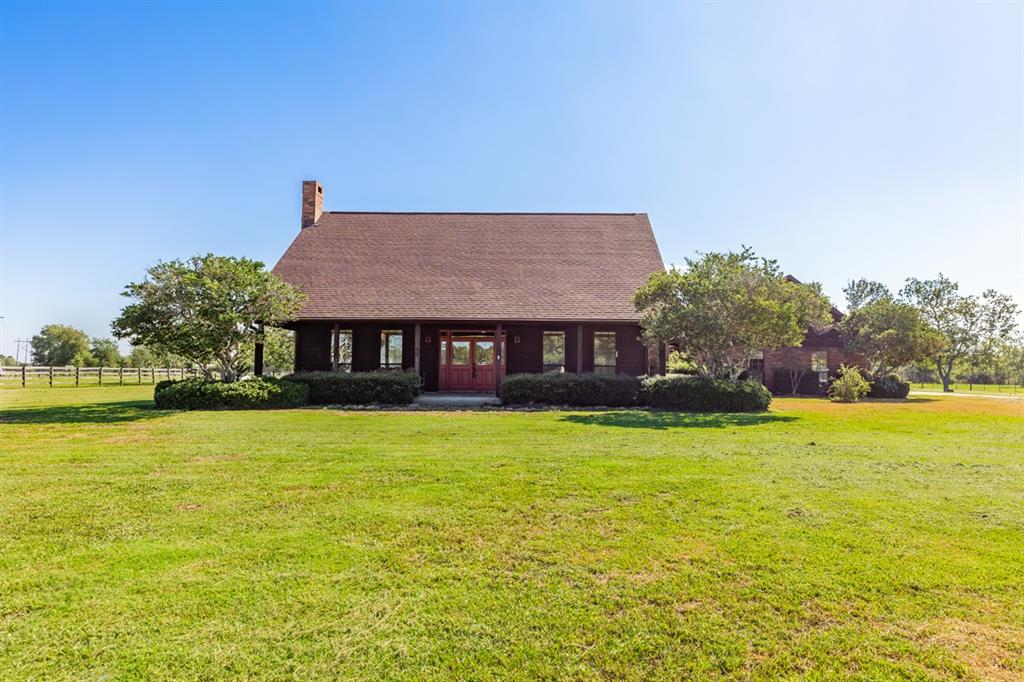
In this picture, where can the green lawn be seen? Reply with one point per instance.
(994, 389)
(876, 540)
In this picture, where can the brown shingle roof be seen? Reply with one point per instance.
(472, 266)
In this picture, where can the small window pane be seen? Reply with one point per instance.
(485, 352)
(819, 361)
(391, 349)
(604, 352)
(460, 352)
(345, 350)
(444, 352)
(554, 348)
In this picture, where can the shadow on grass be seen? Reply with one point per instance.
(86, 413)
(675, 420)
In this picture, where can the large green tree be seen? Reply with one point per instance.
(723, 306)
(887, 332)
(59, 344)
(968, 325)
(278, 350)
(208, 310)
(104, 353)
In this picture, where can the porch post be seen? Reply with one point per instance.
(416, 348)
(498, 359)
(257, 360)
(579, 349)
(335, 348)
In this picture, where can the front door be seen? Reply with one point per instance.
(467, 363)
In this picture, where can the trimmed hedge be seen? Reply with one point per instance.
(683, 393)
(200, 394)
(888, 387)
(693, 394)
(579, 390)
(358, 388)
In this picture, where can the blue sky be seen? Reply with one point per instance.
(879, 139)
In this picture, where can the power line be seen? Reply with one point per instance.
(17, 351)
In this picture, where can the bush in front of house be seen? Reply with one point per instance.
(255, 393)
(578, 390)
(849, 387)
(359, 388)
(695, 394)
(890, 386)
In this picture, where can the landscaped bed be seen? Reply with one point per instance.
(880, 539)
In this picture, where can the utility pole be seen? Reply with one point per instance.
(17, 352)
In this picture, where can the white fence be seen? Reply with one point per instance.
(33, 376)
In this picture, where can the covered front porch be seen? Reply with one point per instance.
(468, 356)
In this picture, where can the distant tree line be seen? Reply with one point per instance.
(723, 306)
(61, 345)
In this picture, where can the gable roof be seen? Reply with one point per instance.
(472, 266)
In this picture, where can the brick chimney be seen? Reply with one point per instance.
(312, 202)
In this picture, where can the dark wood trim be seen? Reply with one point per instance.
(498, 358)
(416, 349)
(257, 360)
(579, 349)
(335, 347)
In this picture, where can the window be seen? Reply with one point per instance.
(485, 352)
(344, 358)
(755, 361)
(819, 364)
(604, 353)
(391, 349)
(460, 352)
(554, 352)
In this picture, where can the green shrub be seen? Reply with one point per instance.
(694, 394)
(888, 387)
(849, 387)
(677, 363)
(359, 388)
(200, 394)
(579, 390)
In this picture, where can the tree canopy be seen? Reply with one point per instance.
(968, 325)
(207, 310)
(723, 306)
(60, 344)
(887, 332)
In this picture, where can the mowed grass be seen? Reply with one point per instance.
(872, 541)
(979, 389)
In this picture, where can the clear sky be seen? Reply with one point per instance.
(878, 139)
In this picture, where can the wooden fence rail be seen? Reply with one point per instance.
(27, 375)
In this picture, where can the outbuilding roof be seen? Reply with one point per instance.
(472, 266)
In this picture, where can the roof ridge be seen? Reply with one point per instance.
(484, 213)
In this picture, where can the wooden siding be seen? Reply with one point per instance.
(313, 346)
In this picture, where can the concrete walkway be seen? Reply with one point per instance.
(466, 400)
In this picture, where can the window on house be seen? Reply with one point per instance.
(604, 352)
(391, 349)
(460, 352)
(755, 361)
(344, 350)
(554, 352)
(819, 364)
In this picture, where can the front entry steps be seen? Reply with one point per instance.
(466, 400)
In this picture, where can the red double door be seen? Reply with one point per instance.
(468, 363)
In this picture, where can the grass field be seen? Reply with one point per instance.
(980, 389)
(872, 541)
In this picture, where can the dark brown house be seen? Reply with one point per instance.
(466, 298)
